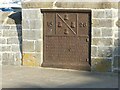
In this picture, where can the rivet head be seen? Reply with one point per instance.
(87, 40)
(87, 60)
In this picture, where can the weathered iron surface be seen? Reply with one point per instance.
(67, 40)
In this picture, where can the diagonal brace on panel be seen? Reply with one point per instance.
(66, 24)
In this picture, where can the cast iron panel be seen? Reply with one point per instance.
(83, 24)
(49, 24)
(66, 24)
(67, 40)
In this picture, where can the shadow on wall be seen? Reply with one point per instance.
(116, 63)
(17, 17)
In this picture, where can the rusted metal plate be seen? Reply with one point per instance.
(68, 24)
(49, 24)
(83, 24)
(67, 44)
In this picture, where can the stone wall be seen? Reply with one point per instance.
(23, 44)
(32, 34)
(105, 46)
(10, 38)
(103, 39)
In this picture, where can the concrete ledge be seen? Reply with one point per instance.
(93, 5)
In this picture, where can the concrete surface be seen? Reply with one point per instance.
(37, 77)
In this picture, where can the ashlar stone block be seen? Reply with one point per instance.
(98, 14)
(96, 32)
(31, 13)
(8, 57)
(28, 46)
(105, 51)
(6, 48)
(106, 32)
(38, 46)
(117, 42)
(94, 51)
(31, 59)
(11, 33)
(108, 13)
(35, 24)
(3, 40)
(14, 40)
(16, 48)
(102, 41)
(103, 22)
(101, 65)
(31, 34)
(26, 24)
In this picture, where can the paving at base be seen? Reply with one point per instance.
(37, 77)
